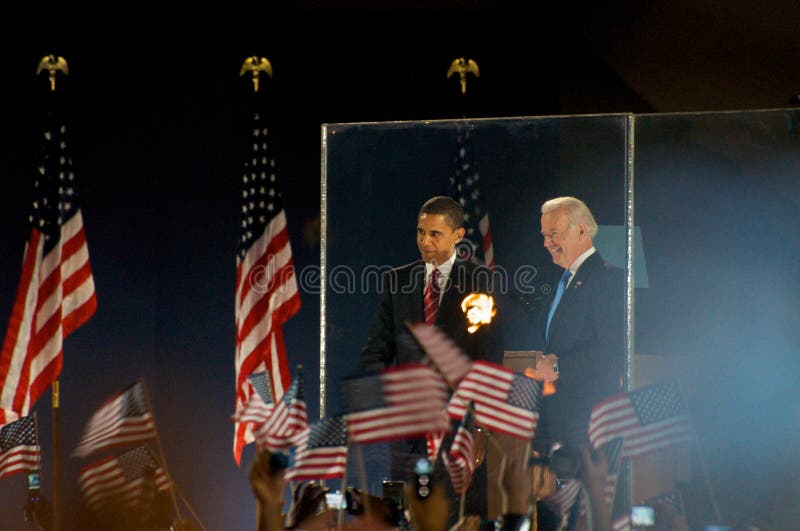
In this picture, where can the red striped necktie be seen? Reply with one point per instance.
(431, 298)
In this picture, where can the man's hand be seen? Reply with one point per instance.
(546, 369)
(267, 484)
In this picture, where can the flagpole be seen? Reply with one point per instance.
(52, 65)
(163, 457)
(362, 476)
(55, 391)
(188, 506)
(340, 521)
(462, 503)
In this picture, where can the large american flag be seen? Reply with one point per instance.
(120, 481)
(465, 188)
(123, 419)
(266, 287)
(19, 447)
(56, 289)
(443, 353)
(505, 401)
(288, 418)
(647, 419)
(321, 451)
(397, 403)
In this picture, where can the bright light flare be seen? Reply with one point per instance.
(479, 309)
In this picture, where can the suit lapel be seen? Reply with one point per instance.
(416, 293)
(572, 292)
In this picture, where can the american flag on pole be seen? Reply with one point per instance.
(321, 451)
(445, 355)
(505, 401)
(120, 481)
(56, 293)
(459, 464)
(465, 188)
(266, 287)
(288, 418)
(400, 402)
(19, 447)
(122, 419)
(647, 419)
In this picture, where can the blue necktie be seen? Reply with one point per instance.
(562, 285)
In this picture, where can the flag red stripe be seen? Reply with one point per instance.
(17, 319)
(19, 459)
(278, 242)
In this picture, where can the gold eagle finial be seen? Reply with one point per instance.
(462, 67)
(52, 64)
(256, 65)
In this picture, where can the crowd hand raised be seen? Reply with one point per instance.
(309, 508)
(267, 484)
(370, 512)
(516, 481)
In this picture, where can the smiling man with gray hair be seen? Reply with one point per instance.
(582, 327)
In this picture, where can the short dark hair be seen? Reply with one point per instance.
(447, 207)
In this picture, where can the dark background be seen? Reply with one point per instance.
(157, 114)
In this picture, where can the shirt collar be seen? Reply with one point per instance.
(444, 268)
(580, 260)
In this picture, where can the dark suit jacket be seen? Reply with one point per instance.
(389, 341)
(587, 333)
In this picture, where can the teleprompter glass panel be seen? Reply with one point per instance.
(716, 202)
(376, 176)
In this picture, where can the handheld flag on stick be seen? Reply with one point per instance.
(321, 451)
(505, 401)
(259, 407)
(123, 419)
(443, 353)
(122, 481)
(647, 419)
(288, 418)
(397, 403)
(459, 464)
(19, 447)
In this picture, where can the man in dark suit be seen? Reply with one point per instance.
(583, 332)
(431, 290)
(440, 226)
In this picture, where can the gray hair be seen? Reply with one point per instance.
(576, 210)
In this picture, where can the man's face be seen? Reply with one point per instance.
(435, 239)
(565, 243)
